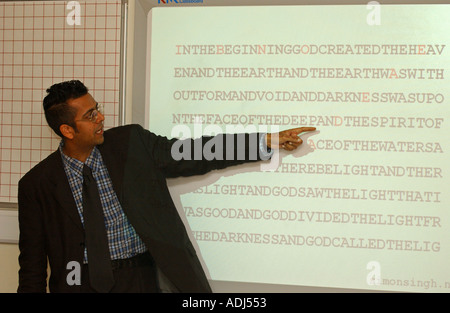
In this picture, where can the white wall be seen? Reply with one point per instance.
(9, 250)
(9, 268)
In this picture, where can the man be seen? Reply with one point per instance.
(136, 238)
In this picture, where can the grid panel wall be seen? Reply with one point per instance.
(43, 43)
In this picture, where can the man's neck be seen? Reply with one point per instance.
(76, 152)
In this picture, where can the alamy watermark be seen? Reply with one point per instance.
(374, 15)
(373, 278)
(74, 14)
(235, 142)
(74, 276)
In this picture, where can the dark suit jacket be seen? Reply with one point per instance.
(138, 163)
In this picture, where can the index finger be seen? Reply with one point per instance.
(300, 130)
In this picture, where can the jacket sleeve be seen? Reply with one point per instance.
(32, 257)
(187, 157)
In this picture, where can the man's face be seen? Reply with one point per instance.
(88, 133)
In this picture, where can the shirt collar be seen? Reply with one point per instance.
(93, 161)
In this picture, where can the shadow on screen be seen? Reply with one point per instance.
(184, 185)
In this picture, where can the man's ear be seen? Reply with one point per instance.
(67, 131)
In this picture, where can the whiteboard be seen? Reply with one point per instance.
(9, 226)
(228, 68)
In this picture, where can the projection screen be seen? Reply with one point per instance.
(364, 202)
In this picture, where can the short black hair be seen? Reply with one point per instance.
(57, 111)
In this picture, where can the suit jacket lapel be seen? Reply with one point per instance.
(63, 193)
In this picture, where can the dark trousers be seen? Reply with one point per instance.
(130, 276)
